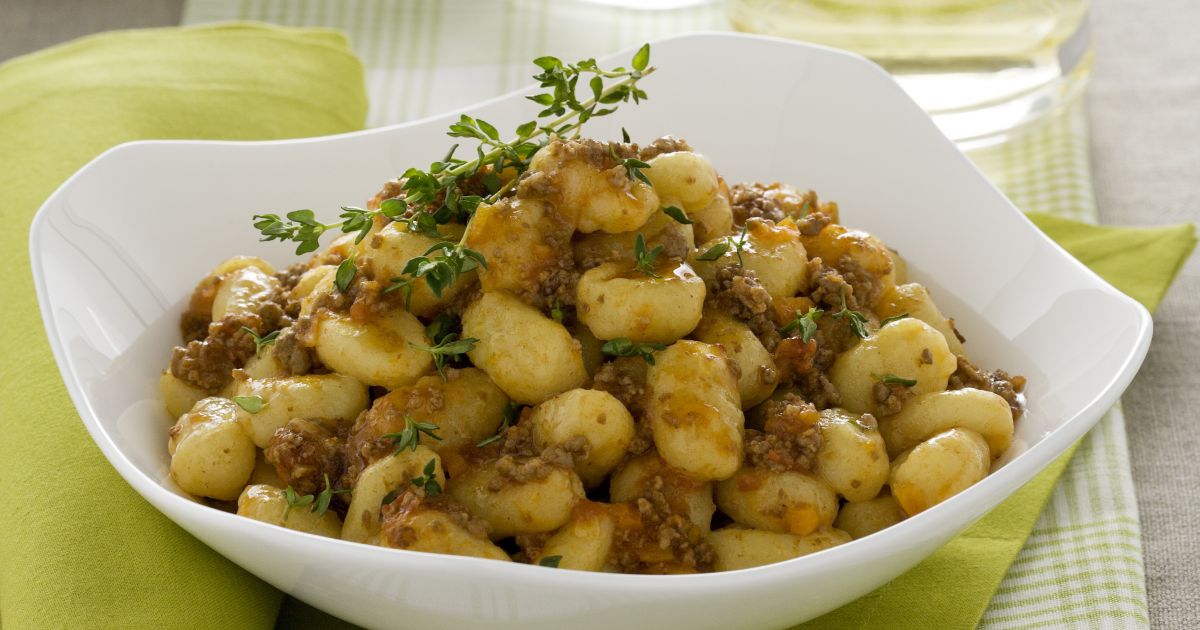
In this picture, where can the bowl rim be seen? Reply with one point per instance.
(978, 499)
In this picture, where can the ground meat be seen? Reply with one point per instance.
(193, 325)
(997, 381)
(665, 540)
(365, 442)
(827, 287)
(665, 144)
(891, 397)
(291, 355)
(516, 470)
(790, 437)
(290, 276)
(819, 390)
(773, 202)
(209, 364)
(303, 452)
(625, 379)
(812, 223)
(396, 517)
(864, 287)
(737, 291)
(555, 285)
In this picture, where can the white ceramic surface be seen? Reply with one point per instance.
(117, 249)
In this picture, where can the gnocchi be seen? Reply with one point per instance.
(588, 355)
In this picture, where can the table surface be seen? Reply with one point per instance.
(1145, 130)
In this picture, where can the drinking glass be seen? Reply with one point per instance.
(983, 69)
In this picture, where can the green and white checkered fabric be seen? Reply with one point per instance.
(1082, 566)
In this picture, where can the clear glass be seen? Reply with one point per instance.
(982, 68)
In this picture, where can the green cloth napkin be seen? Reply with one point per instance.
(80, 548)
(81, 545)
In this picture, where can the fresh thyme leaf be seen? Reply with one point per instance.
(556, 312)
(856, 320)
(678, 214)
(643, 259)
(512, 411)
(550, 561)
(806, 324)
(633, 166)
(261, 342)
(714, 252)
(410, 436)
(252, 404)
(325, 497)
(428, 480)
(434, 196)
(624, 136)
(389, 497)
(641, 58)
(439, 272)
(892, 379)
(739, 244)
(446, 350)
(623, 347)
(344, 274)
(893, 318)
(295, 500)
(441, 327)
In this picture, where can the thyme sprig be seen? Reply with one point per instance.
(623, 347)
(643, 258)
(512, 411)
(428, 479)
(260, 343)
(410, 436)
(892, 379)
(320, 503)
(806, 324)
(435, 196)
(446, 350)
(856, 320)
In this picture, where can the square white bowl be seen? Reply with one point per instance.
(117, 249)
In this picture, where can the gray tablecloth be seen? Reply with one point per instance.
(1144, 104)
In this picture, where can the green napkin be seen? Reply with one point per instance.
(80, 548)
(81, 545)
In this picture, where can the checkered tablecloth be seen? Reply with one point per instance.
(1083, 565)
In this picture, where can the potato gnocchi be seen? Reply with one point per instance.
(608, 359)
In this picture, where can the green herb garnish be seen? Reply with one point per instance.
(438, 272)
(856, 320)
(410, 436)
(623, 347)
(428, 480)
(892, 379)
(806, 324)
(678, 214)
(295, 500)
(893, 318)
(325, 497)
(714, 252)
(344, 274)
(643, 259)
(435, 196)
(261, 342)
(550, 561)
(512, 411)
(252, 404)
(448, 348)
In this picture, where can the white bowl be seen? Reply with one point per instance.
(117, 249)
